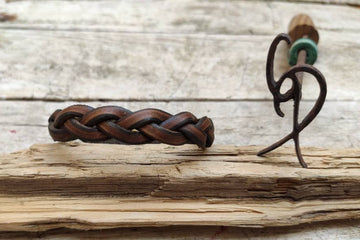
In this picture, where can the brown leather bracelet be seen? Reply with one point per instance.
(148, 125)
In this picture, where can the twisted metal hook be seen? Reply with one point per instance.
(293, 93)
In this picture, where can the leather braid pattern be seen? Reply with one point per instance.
(145, 126)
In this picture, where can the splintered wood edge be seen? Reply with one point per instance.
(104, 153)
(99, 186)
(44, 213)
(79, 169)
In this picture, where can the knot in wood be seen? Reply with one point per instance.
(144, 126)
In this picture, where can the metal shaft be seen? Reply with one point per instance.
(300, 61)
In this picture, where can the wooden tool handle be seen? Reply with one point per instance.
(302, 25)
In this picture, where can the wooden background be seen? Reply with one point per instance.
(207, 57)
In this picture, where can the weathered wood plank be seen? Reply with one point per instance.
(346, 229)
(118, 66)
(51, 186)
(336, 2)
(40, 214)
(24, 123)
(339, 2)
(158, 170)
(212, 17)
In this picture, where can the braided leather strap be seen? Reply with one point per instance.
(111, 122)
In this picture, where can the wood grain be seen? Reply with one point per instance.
(39, 214)
(179, 16)
(119, 66)
(346, 229)
(54, 186)
(180, 46)
(160, 170)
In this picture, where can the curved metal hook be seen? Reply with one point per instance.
(293, 93)
(274, 86)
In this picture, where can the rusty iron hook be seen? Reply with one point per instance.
(295, 92)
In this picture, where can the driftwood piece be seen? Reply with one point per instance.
(97, 186)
